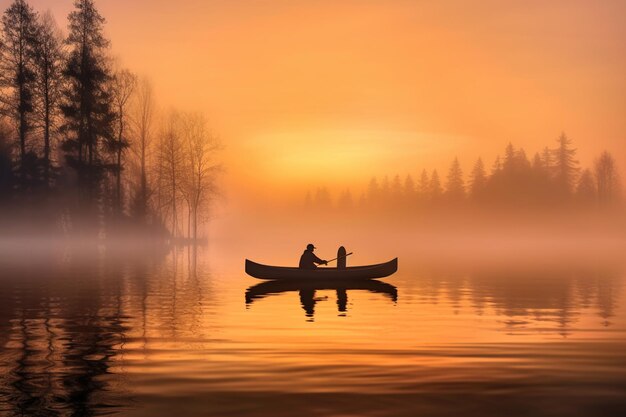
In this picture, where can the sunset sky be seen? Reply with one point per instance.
(306, 93)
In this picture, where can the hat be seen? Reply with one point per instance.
(310, 246)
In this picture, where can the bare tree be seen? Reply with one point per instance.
(607, 179)
(142, 122)
(169, 169)
(123, 86)
(200, 169)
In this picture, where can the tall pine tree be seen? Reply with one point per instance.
(423, 186)
(435, 189)
(17, 73)
(478, 180)
(49, 59)
(455, 187)
(87, 105)
(565, 165)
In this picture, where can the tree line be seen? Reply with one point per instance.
(552, 178)
(83, 148)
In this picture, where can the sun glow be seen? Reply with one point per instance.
(338, 156)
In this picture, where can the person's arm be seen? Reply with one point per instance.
(318, 260)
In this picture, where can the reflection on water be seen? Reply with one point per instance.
(307, 292)
(94, 333)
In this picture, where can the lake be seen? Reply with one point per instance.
(88, 332)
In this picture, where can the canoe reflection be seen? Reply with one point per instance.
(307, 289)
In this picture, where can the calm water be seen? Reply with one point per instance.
(90, 333)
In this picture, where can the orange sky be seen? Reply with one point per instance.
(321, 92)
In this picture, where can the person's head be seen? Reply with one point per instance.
(310, 247)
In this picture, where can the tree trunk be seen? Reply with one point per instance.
(119, 179)
(188, 221)
(195, 224)
(143, 191)
(119, 162)
(46, 139)
(173, 203)
(23, 126)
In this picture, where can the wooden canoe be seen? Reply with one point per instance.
(350, 273)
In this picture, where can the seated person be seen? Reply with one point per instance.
(308, 260)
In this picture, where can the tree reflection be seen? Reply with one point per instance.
(69, 328)
(63, 330)
(530, 299)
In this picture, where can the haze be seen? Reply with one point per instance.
(309, 93)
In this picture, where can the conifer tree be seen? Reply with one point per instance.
(423, 187)
(345, 201)
(455, 187)
(435, 190)
(565, 165)
(373, 191)
(396, 189)
(322, 198)
(478, 179)
(409, 188)
(510, 154)
(496, 168)
(540, 177)
(49, 59)
(385, 188)
(537, 164)
(522, 164)
(87, 104)
(586, 189)
(548, 162)
(17, 72)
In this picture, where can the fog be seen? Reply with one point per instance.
(469, 236)
(154, 171)
(149, 148)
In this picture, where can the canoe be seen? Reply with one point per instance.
(350, 273)
(267, 288)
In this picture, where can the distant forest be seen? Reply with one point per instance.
(83, 149)
(553, 178)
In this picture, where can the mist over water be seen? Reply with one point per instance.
(149, 148)
(103, 331)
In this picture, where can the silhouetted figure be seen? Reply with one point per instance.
(307, 292)
(307, 299)
(308, 260)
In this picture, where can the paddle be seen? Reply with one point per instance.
(344, 256)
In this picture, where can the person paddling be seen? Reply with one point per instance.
(308, 260)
